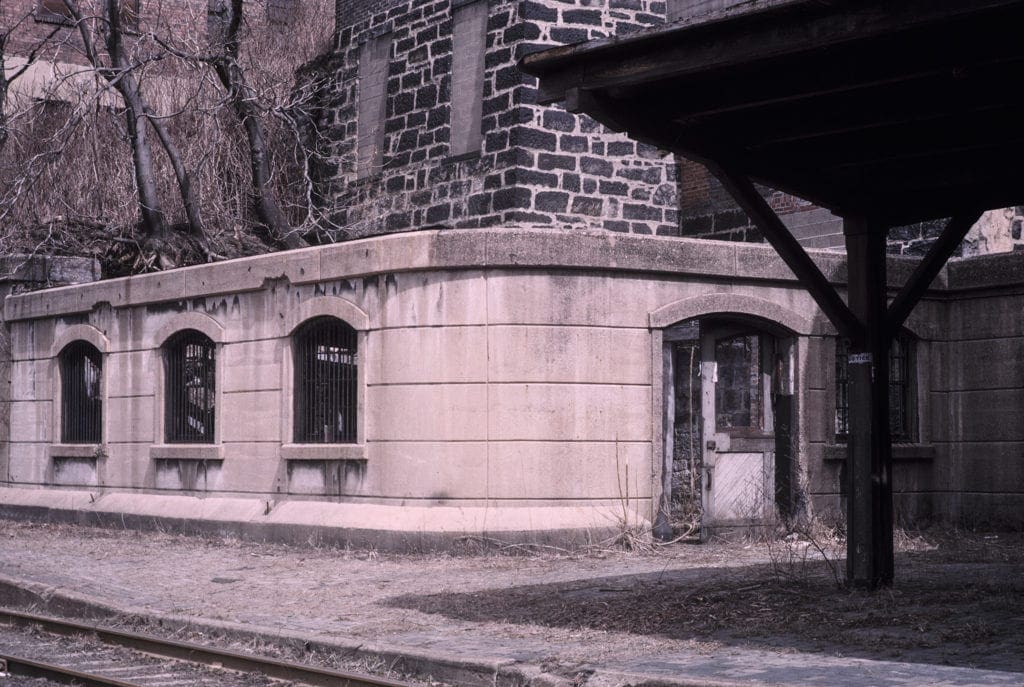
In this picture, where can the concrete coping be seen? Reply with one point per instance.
(74, 451)
(448, 249)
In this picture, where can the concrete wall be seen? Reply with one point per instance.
(509, 380)
(965, 461)
(499, 369)
(20, 273)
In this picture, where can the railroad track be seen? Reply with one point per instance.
(94, 656)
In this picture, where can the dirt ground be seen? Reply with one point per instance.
(958, 599)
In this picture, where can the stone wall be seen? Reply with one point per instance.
(537, 166)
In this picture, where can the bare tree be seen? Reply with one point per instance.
(119, 71)
(244, 103)
(221, 138)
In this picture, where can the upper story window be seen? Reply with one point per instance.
(57, 12)
(190, 386)
(53, 12)
(281, 11)
(326, 366)
(81, 371)
(374, 57)
(469, 43)
(902, 406)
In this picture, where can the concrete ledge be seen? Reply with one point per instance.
(73, 450)
(360, 525)
(903, 452)
(187, 451)
(499, 247)
(323, 452)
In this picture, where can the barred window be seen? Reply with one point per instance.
(902, 409)
(81, 368)
(326, 363)
(190, 365)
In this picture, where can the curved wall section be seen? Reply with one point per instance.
(507, 379)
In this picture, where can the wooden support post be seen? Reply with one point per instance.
(869, 561)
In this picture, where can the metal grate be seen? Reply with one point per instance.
(81, 367)
(191, 390)
(325, 382)
(900, 401)
(842, 388)
(899, 389)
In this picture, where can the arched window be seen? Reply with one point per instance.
(190, 386)
(902, 401)
(81, 367)
(325, 382)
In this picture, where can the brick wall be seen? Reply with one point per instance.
(706, 210)
(537, 166)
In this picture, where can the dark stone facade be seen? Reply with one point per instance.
(537, 166)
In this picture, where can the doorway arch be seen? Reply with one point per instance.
(729, 413)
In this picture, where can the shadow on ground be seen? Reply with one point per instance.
(940, 612)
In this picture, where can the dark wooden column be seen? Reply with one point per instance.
(869, 561)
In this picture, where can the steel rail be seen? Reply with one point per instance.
(23, 667)
(197, 653)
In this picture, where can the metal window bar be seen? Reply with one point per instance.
(899, 389)
(81, 367)
(191, 389)
(842, 388)
(326, 367)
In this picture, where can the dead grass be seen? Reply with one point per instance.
(957, 600)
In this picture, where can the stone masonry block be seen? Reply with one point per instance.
(556, 470)
(436, 412)
(568, 354)
(575, 412)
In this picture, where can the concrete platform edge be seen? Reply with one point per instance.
(474, 672)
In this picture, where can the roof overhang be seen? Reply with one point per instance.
(898, 112)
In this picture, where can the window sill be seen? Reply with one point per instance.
(74, 451)
(900, 452)
(462, 157)
(323, 451)
(187, 451)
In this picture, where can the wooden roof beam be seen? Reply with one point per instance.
(926, 271)
(788, 248)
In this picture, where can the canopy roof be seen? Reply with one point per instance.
(897, 112)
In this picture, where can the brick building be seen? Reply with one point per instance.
(436, 126)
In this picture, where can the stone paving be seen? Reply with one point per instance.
(345, 598)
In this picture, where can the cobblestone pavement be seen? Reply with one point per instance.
(383, 602)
